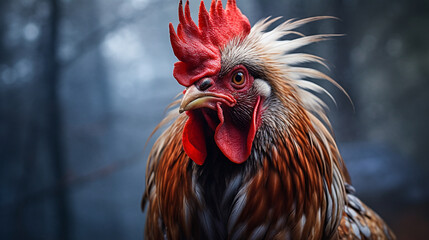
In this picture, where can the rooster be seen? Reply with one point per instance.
(249, 153)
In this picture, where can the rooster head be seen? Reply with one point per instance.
(221, 101)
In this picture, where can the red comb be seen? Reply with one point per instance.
(197, 47)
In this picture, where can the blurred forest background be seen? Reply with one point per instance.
(83, 83)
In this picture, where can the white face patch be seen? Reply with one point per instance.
(263, 88)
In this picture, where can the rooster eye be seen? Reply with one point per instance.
(238, 78)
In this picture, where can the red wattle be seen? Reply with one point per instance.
(235, 142)
(193, 139)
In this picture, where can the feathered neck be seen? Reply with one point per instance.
(294, 138)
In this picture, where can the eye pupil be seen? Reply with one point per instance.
(238, 77)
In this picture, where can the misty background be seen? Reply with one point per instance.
(84, 83)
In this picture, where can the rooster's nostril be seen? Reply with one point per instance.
(205, 84)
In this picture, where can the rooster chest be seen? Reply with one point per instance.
(231, 206)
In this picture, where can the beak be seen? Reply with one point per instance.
(194, 99)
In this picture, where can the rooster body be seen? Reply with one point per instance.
(252, 158)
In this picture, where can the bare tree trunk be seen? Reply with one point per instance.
(54, 119)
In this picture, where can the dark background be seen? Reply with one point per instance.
(83, 83)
